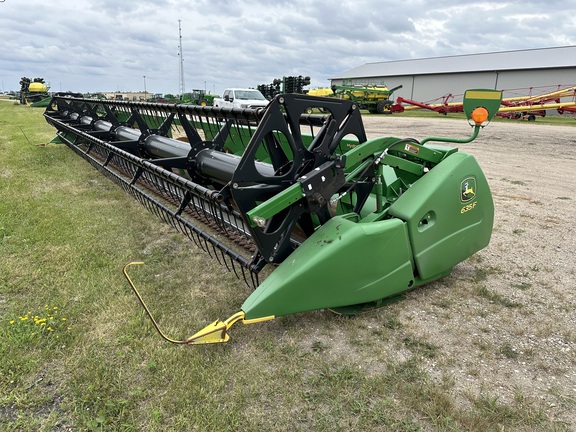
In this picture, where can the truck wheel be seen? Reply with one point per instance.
(383, 106)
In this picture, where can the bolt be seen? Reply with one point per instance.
(260, 221)
(318, 199)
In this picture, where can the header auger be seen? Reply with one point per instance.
(346, 222)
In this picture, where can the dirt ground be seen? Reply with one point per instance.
(506, 318)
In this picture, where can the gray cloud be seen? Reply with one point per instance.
(109, 45)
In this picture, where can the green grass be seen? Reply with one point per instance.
(65, 233)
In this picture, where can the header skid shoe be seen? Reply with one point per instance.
(215, 332)
(347, 222)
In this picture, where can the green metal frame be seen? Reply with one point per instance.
(399, 241)
(383, 217)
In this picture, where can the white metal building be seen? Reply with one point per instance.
(515, 72)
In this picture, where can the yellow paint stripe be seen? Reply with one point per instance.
(492, 95)
(257, 320)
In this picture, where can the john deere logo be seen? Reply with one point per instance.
(467, 189)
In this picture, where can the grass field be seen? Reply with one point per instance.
(78, 353)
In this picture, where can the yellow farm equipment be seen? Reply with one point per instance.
(375, 99)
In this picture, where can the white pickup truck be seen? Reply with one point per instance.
(241, 98)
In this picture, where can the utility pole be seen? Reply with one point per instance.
(145, 93)
(182, 88)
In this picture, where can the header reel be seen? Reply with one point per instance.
(308, 193)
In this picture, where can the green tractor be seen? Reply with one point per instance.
(198, 97)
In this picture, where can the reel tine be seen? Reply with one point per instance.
(170, 197)
(207, 247)
(202, 212)
(219, 216)
(225, 259)
(193, 204)
(193, 236)
(234, 268)
(216, 254)
(254, 279)
(244, 277)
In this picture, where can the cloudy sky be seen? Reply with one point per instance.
(110, 45)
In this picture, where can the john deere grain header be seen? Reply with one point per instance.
(343, 222)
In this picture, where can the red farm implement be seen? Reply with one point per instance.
(528, 107)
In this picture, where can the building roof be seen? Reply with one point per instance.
(541, 58)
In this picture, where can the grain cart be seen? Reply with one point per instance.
(377, 100)
(342, 222)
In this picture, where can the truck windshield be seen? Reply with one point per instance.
(249, 94)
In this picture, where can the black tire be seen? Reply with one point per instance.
(384, 106)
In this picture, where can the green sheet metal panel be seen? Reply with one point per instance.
(449, 214)
(341, 264)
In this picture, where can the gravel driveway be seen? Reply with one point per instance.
(505, 320)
